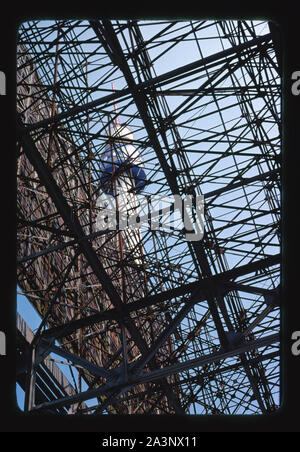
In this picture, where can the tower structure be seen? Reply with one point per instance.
(123, 178)
(156, 323)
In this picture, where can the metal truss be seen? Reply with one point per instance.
(172, 326)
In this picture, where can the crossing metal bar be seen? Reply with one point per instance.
(219, 282)
(164, 372)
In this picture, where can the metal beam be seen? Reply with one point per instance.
(108, 38)
(35, 224)
(61, 246)
(217, 282)
(170, 328)
(243, 181)
(164, 372)
(45, 348)
(159, 80)
(207, 375)
(73, 224)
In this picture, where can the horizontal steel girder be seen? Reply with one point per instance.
(45, 348)
(218, 282)
(164, 372)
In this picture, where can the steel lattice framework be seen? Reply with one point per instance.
(191, 326)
